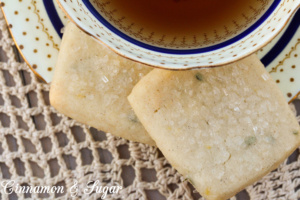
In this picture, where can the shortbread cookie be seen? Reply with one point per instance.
(91, 84)
(222, 128)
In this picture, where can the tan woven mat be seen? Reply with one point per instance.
(40, 147)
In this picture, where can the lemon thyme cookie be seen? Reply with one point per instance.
(91, 84)
(222, 128)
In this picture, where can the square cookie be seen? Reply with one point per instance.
(222, 128)
(91, 84)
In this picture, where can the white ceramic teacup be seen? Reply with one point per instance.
(253, 30)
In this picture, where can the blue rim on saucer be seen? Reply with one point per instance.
(53, 16)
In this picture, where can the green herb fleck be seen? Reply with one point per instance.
(250, 140)
(189, 180)
(270, 139)
(199, 77)
(295, 132)
(133, 118)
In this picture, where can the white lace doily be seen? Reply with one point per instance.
(39, 146)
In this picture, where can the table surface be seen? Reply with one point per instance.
(32, 99)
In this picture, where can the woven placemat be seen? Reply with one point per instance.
(41, 147)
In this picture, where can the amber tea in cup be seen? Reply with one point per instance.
(181, 24)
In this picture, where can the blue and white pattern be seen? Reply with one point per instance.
(281, 56)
